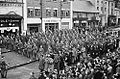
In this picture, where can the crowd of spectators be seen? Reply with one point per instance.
(69, 54)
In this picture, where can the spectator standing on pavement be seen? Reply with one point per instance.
(32, 76)
(41, 64)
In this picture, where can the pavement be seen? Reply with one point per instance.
(22, 72)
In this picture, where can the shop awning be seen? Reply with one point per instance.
(2, 29)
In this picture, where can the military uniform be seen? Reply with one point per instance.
(3, 67)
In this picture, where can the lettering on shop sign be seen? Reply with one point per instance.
(9, 20)
(50, 20)
(11, 0)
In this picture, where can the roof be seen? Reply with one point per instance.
(84, 6)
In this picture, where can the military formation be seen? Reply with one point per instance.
(60, 53)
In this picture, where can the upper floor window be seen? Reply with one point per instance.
(55, 13)
(105, 9)
(54, 0)
(105, 3)
(48, 12)
(30, 12)
(97, 8)
(62, 13)
(112, 4)
(67, 13)
(37, 12)
(64, 0)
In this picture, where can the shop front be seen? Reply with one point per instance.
(51, 24)
(34, 28)
(10, 24)
(80, 22)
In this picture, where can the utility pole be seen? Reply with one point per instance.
(41, 3)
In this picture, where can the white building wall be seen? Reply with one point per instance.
(5, 10)
(25, 16)
(33, 21)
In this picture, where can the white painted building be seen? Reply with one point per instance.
(11, 16)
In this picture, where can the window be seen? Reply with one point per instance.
(64, 0)
(101, 2)
(48, 12)
(29, 12)
(37, 12)
(105, 3)
(62, 13)
(101, 8)
(112, 4)
(55, 13)
(67, 13)
(111, 11)
(97, 8)
(54, 0)
(98, 1)
(105, 9)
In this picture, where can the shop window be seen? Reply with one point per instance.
(29, 12)
(37, 12)
(55, 13)
(48, 12)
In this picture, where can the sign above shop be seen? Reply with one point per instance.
(51, 21)
(7, 20)
(11, 0)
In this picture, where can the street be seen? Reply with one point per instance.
(22, 72)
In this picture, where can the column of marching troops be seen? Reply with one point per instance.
(60, 45)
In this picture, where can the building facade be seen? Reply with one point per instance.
(85, 14)
(58, 14)
(55, 14)
(33, 16)
(106, 10)
(11, 16)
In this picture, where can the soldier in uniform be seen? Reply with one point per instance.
(3, 67)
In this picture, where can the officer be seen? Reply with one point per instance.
(3, 67)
